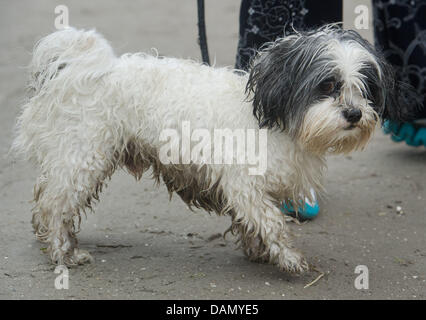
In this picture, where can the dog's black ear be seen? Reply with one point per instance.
(277, 83)
(283, 80)
(270, 84)
(393, 99)
(402, 102)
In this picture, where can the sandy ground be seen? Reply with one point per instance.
(147, 247)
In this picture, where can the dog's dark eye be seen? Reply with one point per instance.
(327, 86)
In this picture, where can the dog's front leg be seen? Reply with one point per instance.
(264, 236)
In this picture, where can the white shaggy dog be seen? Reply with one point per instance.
(91, 112)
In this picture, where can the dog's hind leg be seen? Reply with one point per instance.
(264, 235)
(69, 182)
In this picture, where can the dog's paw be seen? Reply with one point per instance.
(288, 259)
(78, 257)
(293, 261)
(72, 258)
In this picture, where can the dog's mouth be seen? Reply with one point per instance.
(351, 126)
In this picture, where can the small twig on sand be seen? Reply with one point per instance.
(316, 279)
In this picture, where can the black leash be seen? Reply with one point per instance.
(202, 37)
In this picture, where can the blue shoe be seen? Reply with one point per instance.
(306, 211)
(420, 137)
(412, 133)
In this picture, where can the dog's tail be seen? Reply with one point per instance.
(63, 62)
(68, 50)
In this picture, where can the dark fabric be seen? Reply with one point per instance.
(400, 32)
(265, 20)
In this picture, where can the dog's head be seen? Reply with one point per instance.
(325, 88)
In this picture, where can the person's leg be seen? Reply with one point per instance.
(400, 32)
(263, 21)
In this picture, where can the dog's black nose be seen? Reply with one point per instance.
(352, 115)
